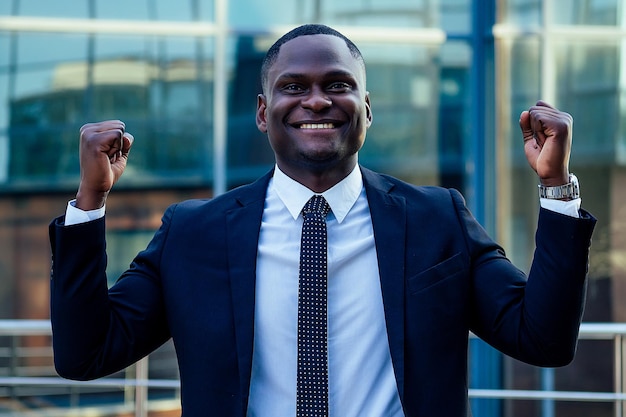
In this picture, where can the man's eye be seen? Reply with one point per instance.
(339, 86)
(292, 88)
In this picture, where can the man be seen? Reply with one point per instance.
(410, 271)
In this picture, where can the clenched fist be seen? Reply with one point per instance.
(104, 149)
(547, 136)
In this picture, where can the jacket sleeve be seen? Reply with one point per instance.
(532, 318)
(97, 331)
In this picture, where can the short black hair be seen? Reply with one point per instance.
(308, 29)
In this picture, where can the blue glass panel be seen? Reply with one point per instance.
(57, 8)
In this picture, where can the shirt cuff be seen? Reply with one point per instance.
(74, 215)
(569, 208)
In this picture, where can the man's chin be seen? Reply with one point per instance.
(322, 159)
(327, 162)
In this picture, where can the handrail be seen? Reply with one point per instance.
(141, 383)
(27, 327)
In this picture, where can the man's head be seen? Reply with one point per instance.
(314, 107)
(304, 30)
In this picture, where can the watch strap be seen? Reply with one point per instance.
(570, 191)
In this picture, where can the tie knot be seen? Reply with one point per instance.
(316, 204)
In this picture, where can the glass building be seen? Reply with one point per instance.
(447, 79)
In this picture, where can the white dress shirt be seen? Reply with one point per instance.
(361, 379)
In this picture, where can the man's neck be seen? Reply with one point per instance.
(318, 181)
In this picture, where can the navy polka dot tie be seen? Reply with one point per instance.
(312, 387)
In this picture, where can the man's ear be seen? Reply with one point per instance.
(261, 107)
(368, 109)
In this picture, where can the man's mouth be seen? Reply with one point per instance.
(317, 126)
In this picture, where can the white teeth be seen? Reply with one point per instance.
(317, 126)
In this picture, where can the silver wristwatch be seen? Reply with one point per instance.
(571, 190)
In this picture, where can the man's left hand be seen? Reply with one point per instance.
(547, 134)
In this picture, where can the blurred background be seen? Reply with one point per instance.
(448, 80)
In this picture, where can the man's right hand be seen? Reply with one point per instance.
(104, 149)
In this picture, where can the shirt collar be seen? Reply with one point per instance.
(341, 197)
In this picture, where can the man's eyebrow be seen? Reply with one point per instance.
(290, 76)
(329, 74)
(341, 74)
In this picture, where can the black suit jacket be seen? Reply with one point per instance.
(441, 276)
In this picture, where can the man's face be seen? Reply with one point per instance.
(315, 109)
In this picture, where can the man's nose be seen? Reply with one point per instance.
(316, 100)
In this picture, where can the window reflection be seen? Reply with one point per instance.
(248, 152)
(160, 88)
(522, 13)
(419, 98)
(588, 77)
(529, 13)
(181, 10)
(587, 12)
(402, 140)
(75, 9)
(6, 8)
(121, 9)
(382, 13)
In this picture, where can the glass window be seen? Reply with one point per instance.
(249, 154)
(5, 69)
(454, 140)
(50, 70)
(588, 82)
(123, 9)
(182, 10)
(403, 84)
(4, 158)
(391, 13)
(529, 13)
(58, 48)
(59, 8)
(173, 11)
(205, 10)
(45, 105)
(6, 8)
(419, 97)
(522, 13)
(161, 88)
(456, 16)
(586, 12)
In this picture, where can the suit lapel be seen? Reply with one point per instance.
(243, 224)
(389, 222)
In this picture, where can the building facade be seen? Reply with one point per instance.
(447, 79)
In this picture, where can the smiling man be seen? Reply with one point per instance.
(322, 289)
(315, 109)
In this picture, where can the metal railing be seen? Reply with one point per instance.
(138, 382)
(135, 381)
(615, 332)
